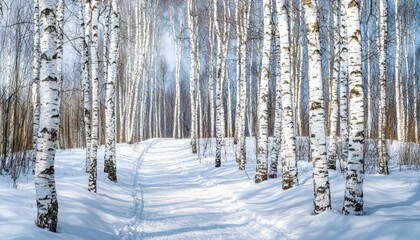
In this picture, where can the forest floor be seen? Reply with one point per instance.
(165, 192)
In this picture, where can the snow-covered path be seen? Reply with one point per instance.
(178, 204)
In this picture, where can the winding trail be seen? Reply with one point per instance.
(174, 203)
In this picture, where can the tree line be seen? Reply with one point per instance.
(80, 74)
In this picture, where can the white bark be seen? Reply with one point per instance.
(416, 92)
(353, 197)
(86, 79)
(238, 15)
(322, 198)
(179, 48)
(95, 97)
(221, 73)
(192, 15)
(106, 11)
(262, 150)
(344, 87)
(46, 195)
(275, 146)
(383, 32)
(36, 64)
(397, 77)
(288, 156)
(241, 148)
(60, 37)
(110, 155)
(212, 77)
(332, 149)
(229, 82)
(368, 74)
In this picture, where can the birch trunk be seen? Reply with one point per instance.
(110, 155)
(407, 94)
(87, 104)
(416, 92)
(46, 195)
(368, 73)
(106, 11)
(383, 31)
(275, 146)
(322, 198)
(60, 31)
(288, 156)
(220, 133)
(344, 87)
(397, 78)
(36, 64)
(177, 110)
(211, 72)
(353, 197)
(238, 15)
(193, 61)
(332, 150)
(95, 97)
(262, 150)
(241, 149)
(229, 82)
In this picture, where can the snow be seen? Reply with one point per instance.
(165, 192)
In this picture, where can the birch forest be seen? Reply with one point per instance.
(264, 84)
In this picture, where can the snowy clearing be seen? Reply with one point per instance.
(165, 192)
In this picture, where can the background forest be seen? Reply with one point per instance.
(288, 73)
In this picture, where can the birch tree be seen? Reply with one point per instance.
(332, 150)
(322, 198)
(110, 156)
(177, 29)
(383, 36)
(95, 97)
(343, 86)
(288, 156)
(397, 77)
(36, 64)
(211, 68)
(415, 107)
(221, 73)
(192, 15)
(106, 12)
(243, 23)
(60, 37)
(262, 150)
(86, 72)
(353, 197)
(275, 146)
(46, 195)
